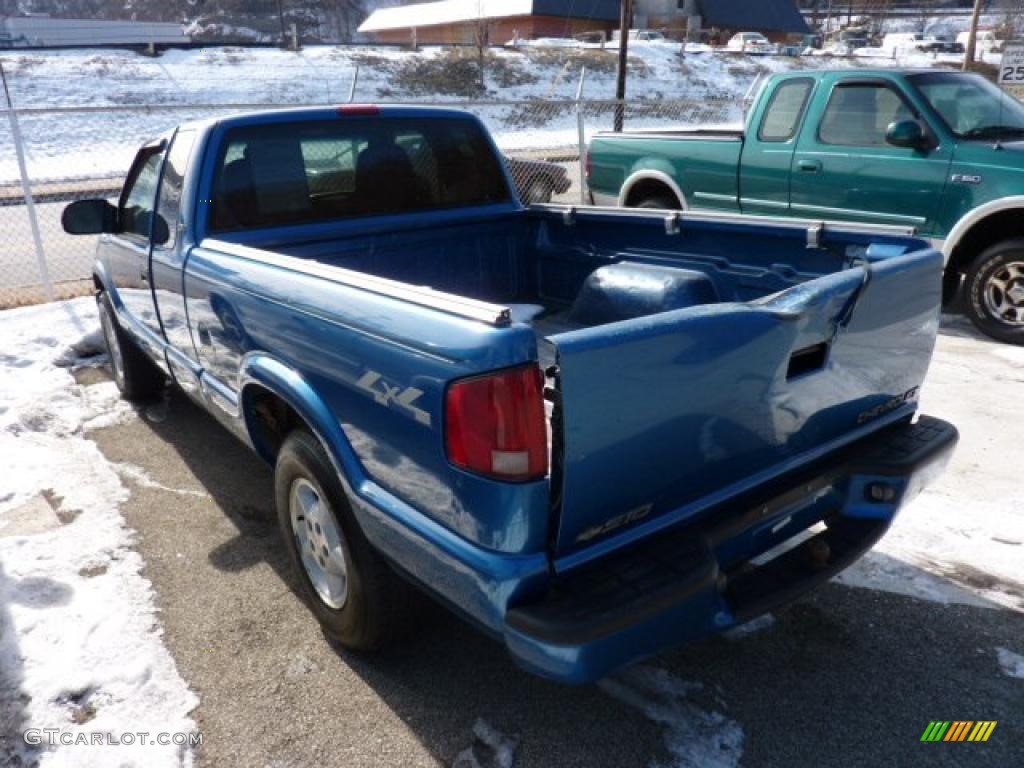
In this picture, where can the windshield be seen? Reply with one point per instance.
(971, 106)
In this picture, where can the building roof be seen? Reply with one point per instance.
(760, 16)
(455, 11)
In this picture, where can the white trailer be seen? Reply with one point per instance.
(45, 32)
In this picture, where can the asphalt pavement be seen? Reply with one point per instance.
(844, 677)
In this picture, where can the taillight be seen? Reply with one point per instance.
(588, 165)
(494, 424)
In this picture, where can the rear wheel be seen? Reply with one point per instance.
(136, 376)
(358, 600)
(538, 191)
(660, 202)
(995, 291)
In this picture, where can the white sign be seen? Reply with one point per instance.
(1011, 70)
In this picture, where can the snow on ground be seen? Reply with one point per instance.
(1011, 663)
(490, 748)
(80, 647)
(694, 736)
(962, 540)
(179, 84)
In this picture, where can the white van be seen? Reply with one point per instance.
(901, 42)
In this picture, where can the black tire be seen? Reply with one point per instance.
(137, 377)
(538, 191)
(658, 201)
(377, 603)
(995, 268)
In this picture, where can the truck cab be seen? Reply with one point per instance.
(939, 151)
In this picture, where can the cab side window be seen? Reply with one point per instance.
(169, 206)
(139, 196)
(785, 110)
(858, 114)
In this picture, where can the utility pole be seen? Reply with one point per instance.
(280, 18)
(625, 22)
(972, 37)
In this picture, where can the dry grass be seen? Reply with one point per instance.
(30, 295)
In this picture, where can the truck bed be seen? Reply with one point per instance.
(738, 352)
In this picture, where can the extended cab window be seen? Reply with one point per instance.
(785, 110)
(139, 195)
(273, 175)
(858, 114)
(169, 205)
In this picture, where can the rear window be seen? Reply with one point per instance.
(300, 173)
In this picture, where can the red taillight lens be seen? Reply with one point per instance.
(494, 424)
(588, 165)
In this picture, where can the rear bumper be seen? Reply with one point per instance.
(721, 572)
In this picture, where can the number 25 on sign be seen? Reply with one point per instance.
(1011, 70)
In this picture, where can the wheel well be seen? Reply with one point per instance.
(987, 232)
(269, 419)
(646, 188)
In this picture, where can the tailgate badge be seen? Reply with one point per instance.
(889, 405)
(639, 513)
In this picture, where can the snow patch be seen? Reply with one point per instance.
(962, 540)
(490, 748)
(80, 649)
(695, 737)
(139, 476)
(752, 627)
(1011, 663)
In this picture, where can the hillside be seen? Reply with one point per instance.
(535, 87)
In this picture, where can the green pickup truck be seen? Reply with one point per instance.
(939, 151)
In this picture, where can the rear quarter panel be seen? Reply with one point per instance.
(707, 165)
(381, 366)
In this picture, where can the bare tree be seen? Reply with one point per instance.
(481, 40)
(924, 15)
(343, 17)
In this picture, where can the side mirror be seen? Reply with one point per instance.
(906, 133)
(89, 217)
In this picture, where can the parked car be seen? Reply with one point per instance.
(940, 151)
(642, 35)
(940, 44)
(902, 42)
(537, 180)
(581, 429)
(751, 42)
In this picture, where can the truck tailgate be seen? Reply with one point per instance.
(662, 416)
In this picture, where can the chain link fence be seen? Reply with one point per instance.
(52, 156)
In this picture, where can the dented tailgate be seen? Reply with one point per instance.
(662, 415)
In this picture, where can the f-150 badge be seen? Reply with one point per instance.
(388, 396)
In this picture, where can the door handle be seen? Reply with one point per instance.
(809, 166)
(144, 276)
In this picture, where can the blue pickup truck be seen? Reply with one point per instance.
(595, 434)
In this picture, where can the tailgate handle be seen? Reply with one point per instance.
(807, 360)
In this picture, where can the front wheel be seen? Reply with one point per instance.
(358, 599)
(136, 376)
(995, 292)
